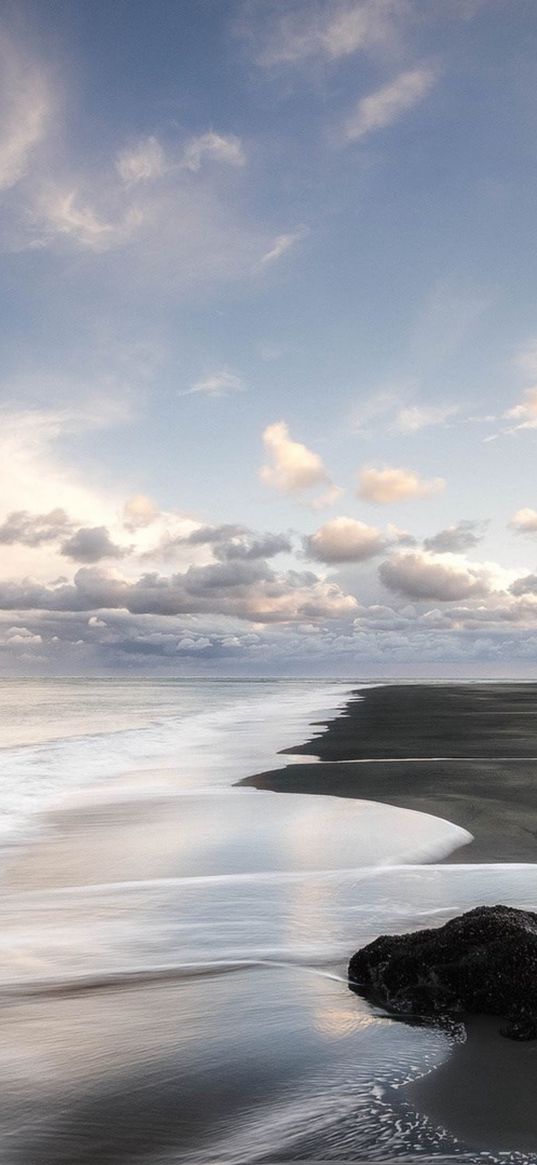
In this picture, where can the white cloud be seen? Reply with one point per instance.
(283, 243)
(139, 512)
(382, 486)
(388, 104)
(142, 162)
(227, 149)
(298, 31)
(524, 413)
(25, 110)
(345, 540)
(294, 468)
(64, 215)
(219, 383)
(524, 521)
(419, 575)
(413, 418)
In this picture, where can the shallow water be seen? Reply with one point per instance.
(172, 979)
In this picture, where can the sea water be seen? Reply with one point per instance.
(173, 949)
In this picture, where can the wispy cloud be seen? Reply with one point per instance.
(142, 162)
(413, 418)
(221, 382)
(283, 243)
(524, 413)
(295, 32)
(227, 149)
(64, 214)
(388, 104)
(26, 105)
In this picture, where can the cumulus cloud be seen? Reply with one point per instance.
(419, 575)
(243, 589)
(345, 540)
(524, 586)
(293, 467)
(282, 244)
(457, 539)
(221, 382)
(524, 521)
(232, 541)
(91, 544)
(387, 105)
(219, 148)
(382, 486)
(142, 162)
(33, 529)
(26, 105)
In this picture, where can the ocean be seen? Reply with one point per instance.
(173, 948)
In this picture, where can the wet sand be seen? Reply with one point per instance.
(468, 754)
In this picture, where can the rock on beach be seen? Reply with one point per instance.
(482, 962)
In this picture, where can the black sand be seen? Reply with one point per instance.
(475, 763)
(469, 755)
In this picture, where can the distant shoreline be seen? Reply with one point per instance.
(471, 758)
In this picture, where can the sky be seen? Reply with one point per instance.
(268, 395)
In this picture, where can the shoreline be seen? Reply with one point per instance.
(455, 766)
(471, 757)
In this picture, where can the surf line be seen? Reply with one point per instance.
(396, 760)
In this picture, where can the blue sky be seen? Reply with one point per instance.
(269, 336)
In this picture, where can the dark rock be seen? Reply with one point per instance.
(483, 962)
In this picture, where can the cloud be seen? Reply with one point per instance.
(91, 544)
(142, 162)
(26, 106)
(215, 147)
(456, 539)
(382, 486)
(420, 576)
(524, 586)
(388, 104)
(524, 413)
(295, 32)
(345, 540)
(139, 512)
(242, 589)
(413, 418)
(524, 521)
(228, 542)
(240, 544)
(64, 214)
(283, 243)
(221, 382)
(33, 529)
(294, 468)
(31, 465)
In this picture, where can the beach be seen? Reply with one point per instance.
(467, 753)
(174, 946)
